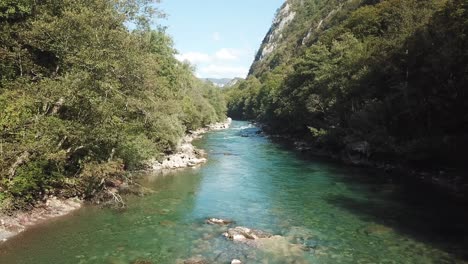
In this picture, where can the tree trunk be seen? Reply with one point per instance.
(23, 158)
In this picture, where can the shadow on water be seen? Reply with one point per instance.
(402, 203)
(408, 206)
(411, 208)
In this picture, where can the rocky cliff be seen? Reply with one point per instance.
(296, 25)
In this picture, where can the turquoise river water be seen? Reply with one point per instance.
(343, 214)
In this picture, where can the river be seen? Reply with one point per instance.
(344, 214)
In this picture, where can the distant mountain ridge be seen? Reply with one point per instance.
(223, 82)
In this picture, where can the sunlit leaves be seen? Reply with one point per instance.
(81, 93)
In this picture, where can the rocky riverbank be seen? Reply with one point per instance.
(187, 155)
(11, 225)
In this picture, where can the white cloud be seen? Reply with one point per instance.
(216, 36)
(194, 57)
(223, 71)
(223, 54)
(224, 63)
(227, 54)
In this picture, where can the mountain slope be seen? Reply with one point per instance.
(373, 80)
(222, 82)
(219, 82)
(297, 24)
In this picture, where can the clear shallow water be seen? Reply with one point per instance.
(349, 215)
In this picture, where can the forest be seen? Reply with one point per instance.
(89, 89)
(385, 78)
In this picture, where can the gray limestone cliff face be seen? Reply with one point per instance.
(283, 18)
(296, 26)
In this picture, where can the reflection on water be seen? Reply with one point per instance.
(342, 215)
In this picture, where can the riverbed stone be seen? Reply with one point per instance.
(164, 211)
(196, 260)
(377, 229)
(142, 261)
(280, 246)
(243, 234)
(307, 243)
(218, 221)
(167, 223)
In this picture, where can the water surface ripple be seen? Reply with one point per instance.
(345, 215)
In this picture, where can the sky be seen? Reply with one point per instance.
(219, 37)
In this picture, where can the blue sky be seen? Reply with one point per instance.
(219, 37)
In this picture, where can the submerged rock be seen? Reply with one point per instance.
(236, 261)
(307, 244)
(218, 221)
(280, 246)
(142, 261)
(244, 234)
(376, 229)
(167, 223)
(196, 260)
(275, 244)
(164, 211)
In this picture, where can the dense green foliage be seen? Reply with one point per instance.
(391, 73)
(82, 98)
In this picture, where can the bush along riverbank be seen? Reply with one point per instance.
(186, 155)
